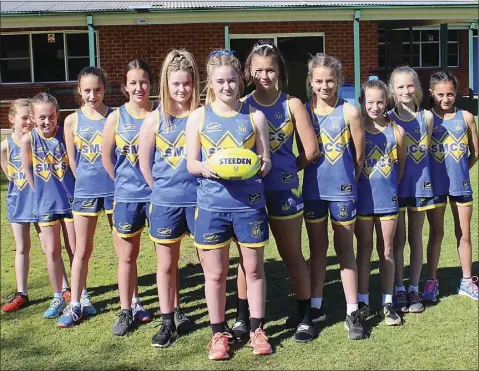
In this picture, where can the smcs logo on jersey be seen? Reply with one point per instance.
(172, 152)
(128, 148)
(279, 134)
(50, 165)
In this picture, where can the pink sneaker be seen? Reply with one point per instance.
(259, 342)
(218, 346)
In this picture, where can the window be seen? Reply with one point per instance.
(426, 48)
(43, 57)
(296, 49)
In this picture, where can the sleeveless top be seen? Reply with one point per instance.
(173, 184)
(53, 178)
(235, 131)
(450, 156)
(92, 180)
(284, 171)
(331, 176)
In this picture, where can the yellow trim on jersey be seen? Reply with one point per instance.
(256, 245)
(196, 213)
(213, 247)
(319, 113)
(14, 140)
(108, 212)
(287, 217)
(402, 209)
(422, 208)
(202, 122)
(349, 222)
(364, 217)
(253, 125)
(314, 221)
(93, 119)
(404, 120)
(444, 118)
(50, 138)
(75, 124)
(86, 213)
(167, 241)
(128, 235)
(442, 204)
(267, 105)
(67, 220)
(139, 117)
(460, 204)
(235, 112)
(389, 217)
(49, 224)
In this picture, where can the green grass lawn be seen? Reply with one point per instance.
(443, 337)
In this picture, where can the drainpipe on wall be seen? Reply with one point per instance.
(227, 36)
(91, 40)
(357, 57)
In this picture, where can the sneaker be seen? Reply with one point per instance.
(124, 322)
(391, 318)
(304, 333)
(140, 314)
(55, 309)
(15, 302)
(241, 330)
(364, 310)
(182, 322)
(87, 307)
(318, 314)
(71, 315)
(218, 347)
(469, 288)
(414, 302)
(165, 337)
(259, 342)
(354, 326)
(431, 291)
(67, 294)
(400, 301)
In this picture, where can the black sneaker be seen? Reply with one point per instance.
(165, 337)
(354, 326)
(364, 310)
(241, 330)
(182, 322)
(400, 301)
(124, 322)
(318, 314)
(415, 302)
(304, 333)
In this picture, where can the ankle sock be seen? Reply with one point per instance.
(218, 327)
(169, 319)
(400, 288)
(242, 309)
(413, 288)
(316, 302)
(364, 298)
(256, 323)
(386, 298)
(57, 295)
(75, 304)
(350, 308)
(304, 309)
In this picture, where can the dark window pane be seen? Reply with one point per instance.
(16, 70)
(453, 60)
(453, 35)
(381, 56)
(15, 46)
(429, 35)
(77, 45)
(381, 35)
(75, 65)
(452, 48)
(415, 35)
(430, 55)
(415, 61)
(48, 57)
(405, 48)
(415, 48)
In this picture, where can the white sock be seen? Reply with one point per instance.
(84, 292)
(75, 304)
(400, 288)
(58, 295)
(413, 288)
(364, 298)
(316, 302)
(465, 280)
(136, 299)
(350, 308)
(386, 298)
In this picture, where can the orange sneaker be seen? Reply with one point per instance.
(218, 346)
(17, 301)
(67, 294)
(259, 342)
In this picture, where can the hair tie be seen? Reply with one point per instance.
(221, 52)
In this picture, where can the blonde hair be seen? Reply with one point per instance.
(417, 85)
(15, 105)
(178, 60)
(220, 58)
(44, 98)
(326, 61)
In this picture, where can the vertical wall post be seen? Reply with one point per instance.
(357, 56)
(472, 27)
(443, 43)
(91, 40)
(227, 36)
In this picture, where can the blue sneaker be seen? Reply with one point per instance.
(140, 314)
(431, 291)
(71, 315)
(87, 307)
(469, 288)
(55, 308)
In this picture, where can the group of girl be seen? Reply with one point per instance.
(132, 163)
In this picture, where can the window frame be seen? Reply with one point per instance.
(31, 56)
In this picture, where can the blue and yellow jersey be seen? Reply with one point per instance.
(235, 131)
(19, 195)
(53, 178)
(92, 180)
(377, 185)
(417, 180)
(284, 171)
(130, 185)
(174, 185)
(450, 156)
(331, 176)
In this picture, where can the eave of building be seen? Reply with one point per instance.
(449, 14)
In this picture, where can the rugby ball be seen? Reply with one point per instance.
(234, 163)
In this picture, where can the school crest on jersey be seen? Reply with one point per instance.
(378, 161)
(128, 148)
(333, 147)
(279, 135)
(50, 165)
(416, 149)
(172, 153)
(89, 148)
